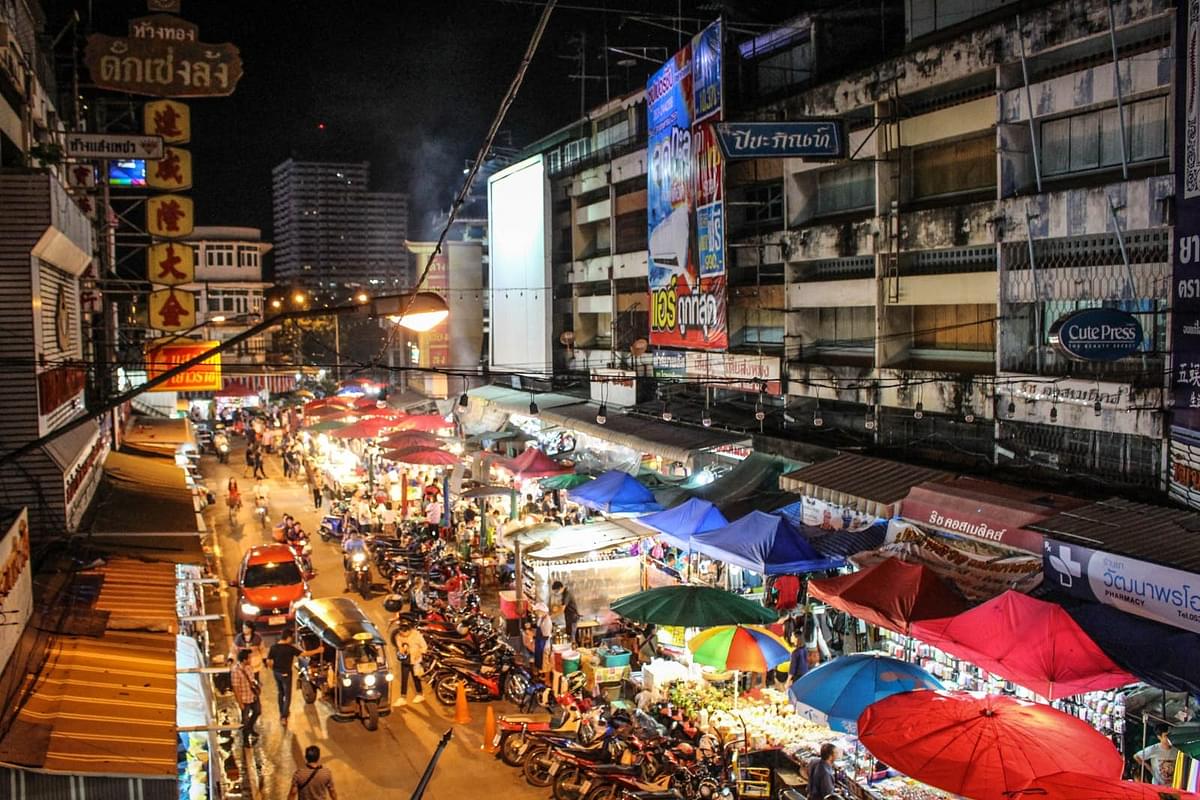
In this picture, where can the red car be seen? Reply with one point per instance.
(270, 583)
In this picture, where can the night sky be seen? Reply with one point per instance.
(409, 86)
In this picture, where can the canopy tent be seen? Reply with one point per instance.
(1161, 655)
(676, 526)
(328, 426)
(841, 543)
(422, 455)
(424, 422)
(369, 428)
(764, 543)
(1030, 642)
(533, 463)
(891, 594)
(577, 542)
(568, 480)
(615, 492)
(403, 439)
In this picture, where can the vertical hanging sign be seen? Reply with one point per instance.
(1185, 279)
(685, 198)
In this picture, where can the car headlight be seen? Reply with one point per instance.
(346, 681)
(369, 680)
(389, 677)
(250, 610)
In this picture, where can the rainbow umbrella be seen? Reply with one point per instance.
(745, 648)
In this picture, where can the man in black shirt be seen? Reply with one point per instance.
(280, 658)
(822, 779)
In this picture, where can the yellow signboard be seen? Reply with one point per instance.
(170, 216)
(205, 377)
(172, 172)
(172, 310)
(169, 119)
(170, 264)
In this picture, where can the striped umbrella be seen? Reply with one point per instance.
(746, 648)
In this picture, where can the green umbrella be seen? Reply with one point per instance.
(1186, 738)
(327, 426)
(691, 607)
(568, 481)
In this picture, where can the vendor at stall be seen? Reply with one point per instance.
(822, 775)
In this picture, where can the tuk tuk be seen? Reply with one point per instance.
(350, 668)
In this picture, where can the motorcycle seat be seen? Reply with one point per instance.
(525, 719)
(669, 795)
(615, 769)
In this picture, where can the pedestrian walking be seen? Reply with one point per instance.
(251, 642)
(249, 470)
(280, 659)
(259, 472)
(246, 691)
(410, 649)
(315, 483)
(312, 781)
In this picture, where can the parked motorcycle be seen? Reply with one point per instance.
(506, 678)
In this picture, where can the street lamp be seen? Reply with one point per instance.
(418, 312)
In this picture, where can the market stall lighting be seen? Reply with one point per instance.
(602, 414)
(462, 403)
(869, 422)
(666, 412)
(276, 303)
(362, 297)
(298, 298)
(818, 420)
(919, 411)
(533, 409)
(969, 417)
(418, 312)
(1012, 408)
(759, 414)
(1096, 408)
(217, 318)
(706, 419)
(1054, 413)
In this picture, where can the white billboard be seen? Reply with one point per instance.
(519, 268)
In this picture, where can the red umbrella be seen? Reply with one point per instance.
(326, 402)
(369, 428)
(422, 455)
(891, 594)
(984, 747)
(409, 439)
(1076, 785)
(1029, 642)
(533, 463)
(425, 422)
(366, 401)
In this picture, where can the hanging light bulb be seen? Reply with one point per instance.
(1054, 413)
(1012, 409)
(919, 411)
(759, 414)
(602, 414)
(1096, 407)
(818, 421)
(969, 417)
(869, 422)
(706, 417)
(463, 403)
(666, 414)
(533, 409)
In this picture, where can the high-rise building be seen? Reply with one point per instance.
(332, 232)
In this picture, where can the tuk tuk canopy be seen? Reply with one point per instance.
(337, 622)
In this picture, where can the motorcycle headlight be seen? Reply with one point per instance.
(389, 677)
(359, 557)
(369, 680)
(250, 610)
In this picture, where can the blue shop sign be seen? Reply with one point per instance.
(822, 139)
(1097, 334)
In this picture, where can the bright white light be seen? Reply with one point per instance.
(420, 322)
(217, 318)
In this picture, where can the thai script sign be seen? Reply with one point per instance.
(205, 377)
(815, 139)
(1097, 334)
(114, 146)
(162, 57)
(1151, 591)
(685, 206)
(1185, 278)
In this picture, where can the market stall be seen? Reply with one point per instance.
(615, 492)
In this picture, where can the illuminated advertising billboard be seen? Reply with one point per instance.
(685, 198)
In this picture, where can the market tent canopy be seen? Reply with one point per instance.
(843, 542)
(328, 426)
(615, 492)
(422, 455)
(677, 525)
(402, 439)
(748, 648)
(132, 484)
(764, 543)
(369, 428)
(751, 481)
(424, 422)
(873, 486)
(985, 747)
(892, 594)
(691, 606)
(1030, 642)
(581, 542)
(568, 480)
(1161, 655)
(533, 463)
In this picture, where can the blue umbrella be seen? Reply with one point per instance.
(836, 693)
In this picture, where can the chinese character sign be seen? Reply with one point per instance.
(169, 119)
(170, 216)
(172, 172)
(170, 264)
(172, 310)
(687, 264)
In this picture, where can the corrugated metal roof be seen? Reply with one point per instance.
(1157, 534)
(106, 704)
(674, 442)
(872, 485)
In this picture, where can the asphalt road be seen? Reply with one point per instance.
(389, 761)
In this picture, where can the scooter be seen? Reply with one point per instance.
(358, 574)
(506, 679)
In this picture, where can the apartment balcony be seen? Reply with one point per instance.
(832, 282)
(590, 270)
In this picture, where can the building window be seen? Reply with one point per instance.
(955, 327)
(1091, 141)
(787, 67)
(846, 189)
(845, 327)
(766, 203)
(248, 257)
(927, 16)
(219, 255)
(954, 167)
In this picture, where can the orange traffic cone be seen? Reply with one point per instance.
(462, 714)
(489, 732)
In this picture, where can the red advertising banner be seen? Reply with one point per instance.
(206, 377)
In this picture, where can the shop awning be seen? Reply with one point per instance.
(670, 441)
(872, 486)
(67, 449)
(764, 543)
(144, 504)
(237, 387)
(1166, 536)
(993, 512)
(582, 542)
(157, 436)
(146, 475)
(1162, 656)
(516, 401)
(104, 703)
